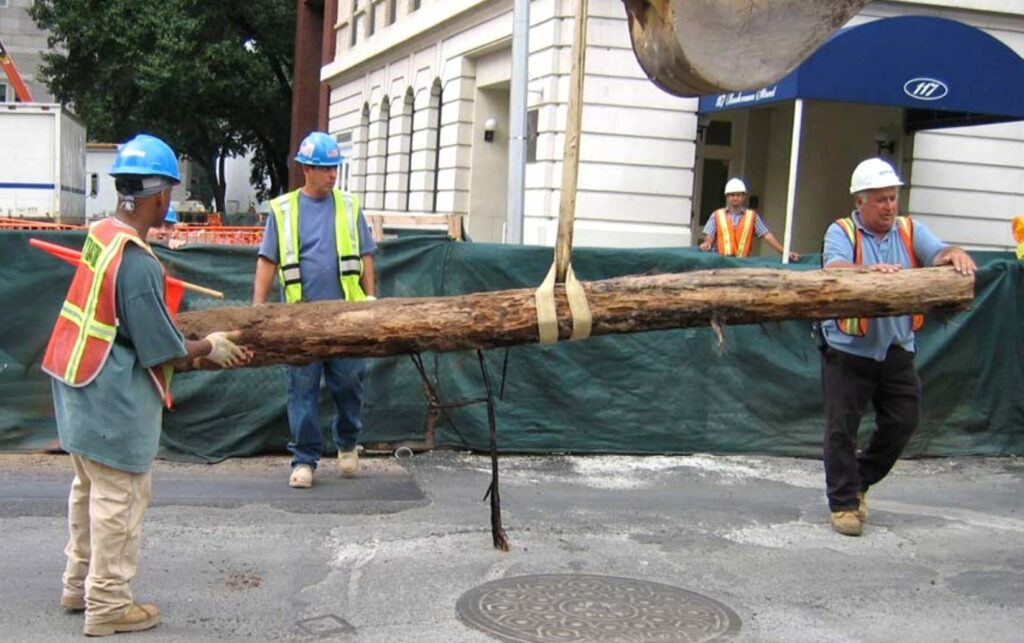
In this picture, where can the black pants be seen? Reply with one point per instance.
(849, 382)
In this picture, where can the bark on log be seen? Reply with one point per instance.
(298, 333)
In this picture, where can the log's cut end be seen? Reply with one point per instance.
(678, 43)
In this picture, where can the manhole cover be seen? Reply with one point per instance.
(578, 607)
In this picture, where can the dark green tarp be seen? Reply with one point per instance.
(658, 392)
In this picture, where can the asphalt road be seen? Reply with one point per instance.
(230, 553)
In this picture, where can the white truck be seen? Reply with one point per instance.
(42, 163)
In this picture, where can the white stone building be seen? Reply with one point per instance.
(413, 82)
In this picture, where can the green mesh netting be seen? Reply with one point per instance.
(658, 392)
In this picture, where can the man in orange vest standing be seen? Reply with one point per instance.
(872, 359)
(730, 231)
(111, 354)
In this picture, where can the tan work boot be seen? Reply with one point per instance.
(302, 477)
(348, 462)
(72, 603)
(139, 617)
(846, 523)
(862, 506)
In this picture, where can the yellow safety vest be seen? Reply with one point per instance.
(285, 209)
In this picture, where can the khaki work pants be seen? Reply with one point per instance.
(105, 510)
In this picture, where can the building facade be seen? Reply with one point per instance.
(414, 81)
(25, 42)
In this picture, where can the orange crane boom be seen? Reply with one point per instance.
(20, 89)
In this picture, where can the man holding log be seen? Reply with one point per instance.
(111, 354)
(872, 359)
(321, 248)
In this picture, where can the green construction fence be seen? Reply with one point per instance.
(664, 392)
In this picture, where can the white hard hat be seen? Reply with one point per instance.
(873, 174)
(735, 186)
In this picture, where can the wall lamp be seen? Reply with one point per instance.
(884, 142)
(490, 127)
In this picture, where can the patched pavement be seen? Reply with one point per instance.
(231, 553)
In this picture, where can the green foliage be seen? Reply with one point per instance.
(211, 78)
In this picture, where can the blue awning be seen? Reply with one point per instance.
(916, 62)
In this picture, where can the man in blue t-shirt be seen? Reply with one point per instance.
(319, 245)
(872, 359)
(110, 416)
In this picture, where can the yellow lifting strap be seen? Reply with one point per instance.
(547, 316)
(561, 269)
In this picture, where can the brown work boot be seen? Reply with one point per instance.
(348, 462)
(862, 506)
(139, 617)
(846, 523)
(72, 603)
(302, 477)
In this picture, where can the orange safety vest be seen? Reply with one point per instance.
(858, 326)
(87, 325)
(734, 241)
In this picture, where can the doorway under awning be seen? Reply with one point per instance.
(943, 73)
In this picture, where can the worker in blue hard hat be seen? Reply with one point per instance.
(325, 254)
(111, 354)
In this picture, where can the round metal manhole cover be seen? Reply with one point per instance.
(578, 607)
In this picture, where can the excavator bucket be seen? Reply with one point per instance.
(695, 47)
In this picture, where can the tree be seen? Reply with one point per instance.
(211, 78)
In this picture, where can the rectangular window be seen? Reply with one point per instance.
(357, 26)
(532, 120)
(414, 5)
(3, 92)
(392, 11)
(719, 133)
(373, 18)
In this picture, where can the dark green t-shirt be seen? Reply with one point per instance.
(115, 419)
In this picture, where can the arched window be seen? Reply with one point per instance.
(436, 105)
(376, 155)
(360, 151)
(407, 138)
(398, 154)
(385, 135)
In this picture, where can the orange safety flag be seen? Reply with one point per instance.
(1018, 234)
(174, 289)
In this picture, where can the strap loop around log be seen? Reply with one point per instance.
(547, 315)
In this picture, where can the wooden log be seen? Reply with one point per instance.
(678, 43)
(298, 333)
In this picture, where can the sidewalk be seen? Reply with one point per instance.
(230, 553)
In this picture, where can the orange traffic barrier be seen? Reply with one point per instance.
(32, 224)
(183, 234)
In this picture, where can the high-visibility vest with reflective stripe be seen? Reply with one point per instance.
(346, 236)
(734, 241)
(87, 324)
(858, 326)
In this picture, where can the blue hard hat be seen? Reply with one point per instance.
(171, 216)
(320, 149)
(146, 155)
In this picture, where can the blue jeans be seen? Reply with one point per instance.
(344, 379)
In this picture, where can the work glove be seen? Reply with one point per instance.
(223, 351)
